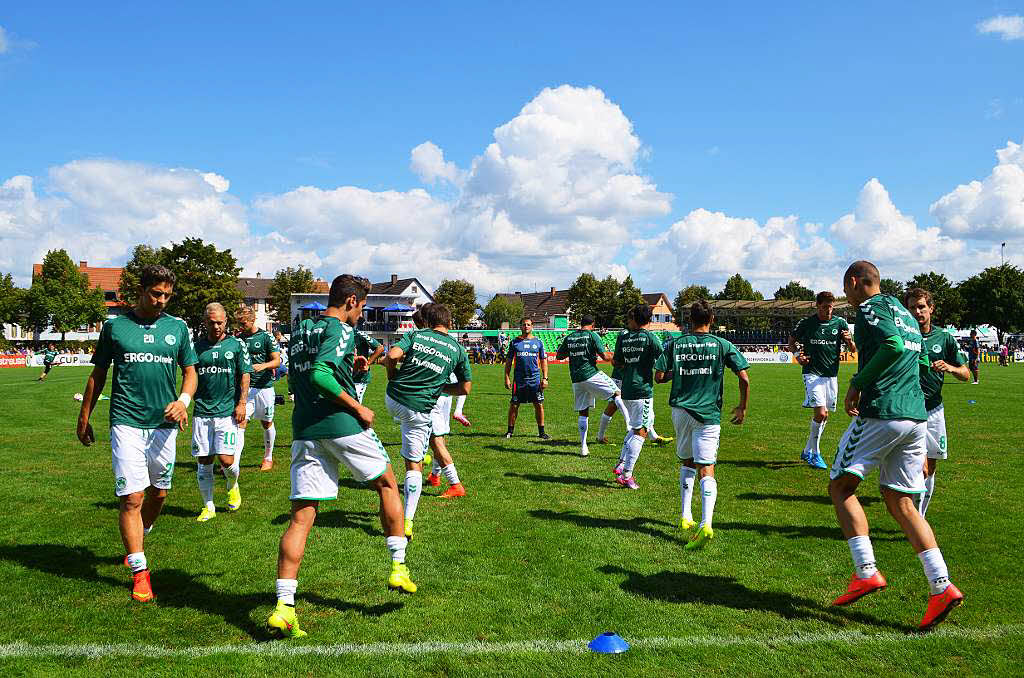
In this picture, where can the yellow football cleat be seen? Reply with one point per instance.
(664, 440)
(207, 514)
(685, 524)
(234, 498)
(400, 579)
(700, 539)
(408, 529)
(283, 619)
(428, 461)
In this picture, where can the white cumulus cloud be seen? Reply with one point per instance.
(992, 208)
(427, 161)
(1006, 27)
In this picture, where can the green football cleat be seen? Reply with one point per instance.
(400, 579)
(664, 440)
(284, 620)
(408, 529)
(700, 539)
(207, 514)
(234, 498)
(685, 524)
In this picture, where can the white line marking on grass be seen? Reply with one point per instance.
(299, 648)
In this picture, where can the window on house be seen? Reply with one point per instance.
(109, 296)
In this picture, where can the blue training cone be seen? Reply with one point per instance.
(609, 643)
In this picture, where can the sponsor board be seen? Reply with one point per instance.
(63, 360)
(769, 358)
(12, 361)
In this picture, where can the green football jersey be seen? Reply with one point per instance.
(939, 344)
(430, 358)
(220, 368)
(637, 350)
(697, 363)
(582, 348)
(896, 394)
(365, 346)
(145, 354)
(330, 341)
(823, 341)
(49, 356)
(260, 345)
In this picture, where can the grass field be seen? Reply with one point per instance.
(545, 553)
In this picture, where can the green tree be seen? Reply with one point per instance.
(892, 287)
(995, 297)
(460, 298)
(128, 287)
(502, 309)
(287, 281)
(583, 294)
(685, 298)
(739, 288)
(204, 274)
(12, 301)
(627, 296)
(795, 291)
(949, 305)
(60, 296)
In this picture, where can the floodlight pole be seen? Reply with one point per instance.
(1002, 259)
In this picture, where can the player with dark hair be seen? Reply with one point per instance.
(889, 431)
(331, 428)
(822, 337)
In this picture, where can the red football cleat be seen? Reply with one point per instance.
(454, 491)
(859, 588)
(434, 480)
(618, 469)
(940, 605)
(267, 465)
(461, 418)
(142, 589)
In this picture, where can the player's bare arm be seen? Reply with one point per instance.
(508, 369)
(272, 364)
(243, 390)
(177, 410)
(543, 362)
(797, 350)
(93, 388)
(852, 401)
(459, 389)
(963, 372)
(848, 340)
(662, 377)
(739, 413)
(391, 361)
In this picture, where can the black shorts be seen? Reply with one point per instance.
(47, 368)
(527, 394)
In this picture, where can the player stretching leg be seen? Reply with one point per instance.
(945, 355)
(583, 347)
(695, 364)
(530, 378)
(266, 357)
(428, 358)
(636, 352)
(609, 412)
(49, 357)
(330, 428)
(443, 464)
(822, 337)
(145, 345)
(223, 370)
(889, 431)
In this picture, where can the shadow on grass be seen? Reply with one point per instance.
(562, 480)
(173, 588)
(530, 450)
(638, 525)
(367, 521)
(804, 531)
(686, 587)
(810, 498)
(757, 463)
(168, 510)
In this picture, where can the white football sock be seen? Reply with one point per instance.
(450, 475)
(269, 435)
(413, 488)
(634, 444)
(708, 495)
(435, 465)
(925, 497)
(459, 402)
(583, 423)
(396, 546)
(231, 475)
(240, 446)
(622, 408)
(204, 474)
(137, 562)
(686, 476)
(602, 428)
(286, 591)
(863, 556)
(817, 428)
(935, 570)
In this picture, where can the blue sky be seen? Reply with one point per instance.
(750, 111)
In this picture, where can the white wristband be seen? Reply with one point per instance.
(185, 399)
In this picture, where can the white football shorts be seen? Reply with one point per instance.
(440, 416)
(694, 439)
(415, 428)
(360, 392)
(315, 463)
(821, 391)
(587, 392)
(896, 446)
(214, 435)
(937, 433)
(641, 413)
(260, 404)
(142, 457)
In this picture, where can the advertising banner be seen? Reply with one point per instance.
(12, 361)
(769, 358)
(63, 360)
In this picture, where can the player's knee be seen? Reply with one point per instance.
(843, 487)
(706, 470)
(132, 502)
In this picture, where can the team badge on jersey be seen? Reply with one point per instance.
(936, 349)
(170, 340)
(229, 355)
